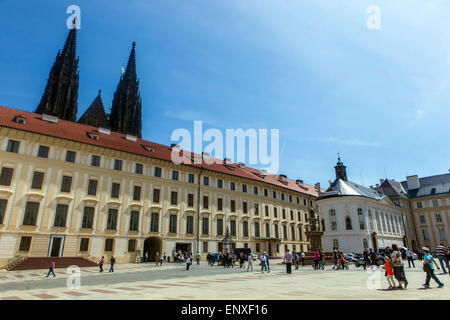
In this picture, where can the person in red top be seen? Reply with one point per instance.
(389, 272)
(51, 270)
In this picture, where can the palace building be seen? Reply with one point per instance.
(94, 188)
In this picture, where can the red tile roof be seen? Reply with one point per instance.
(80, 133)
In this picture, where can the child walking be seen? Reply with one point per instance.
(51, 270)
(389, 272)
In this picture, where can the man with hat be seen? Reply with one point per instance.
(429, 269)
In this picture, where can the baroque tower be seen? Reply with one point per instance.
(60, 97)
(340, 169)
(126, 111)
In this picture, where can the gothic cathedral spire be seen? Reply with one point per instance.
(95, 115)
(60, 97)
(126, 111)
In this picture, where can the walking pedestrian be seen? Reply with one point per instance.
(316, 260)
(389, 273)
(442, 251)
(399, 271)
(112, 261)
(188, 263)
(321, 260)
(250, 262)
(263, 258)
(288, 261)
(373, 257)
(267, 261)
(197, 256)
(51, 269)
(335, 259)
(409, 256)
(102, 261)
(429, 269)
(303, 258)
(366, 258)
(241, 259)
(296, 259)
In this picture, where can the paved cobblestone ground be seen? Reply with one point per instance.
(172, 281)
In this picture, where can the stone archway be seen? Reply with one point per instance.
(152, 246)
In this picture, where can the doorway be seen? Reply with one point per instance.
(152, 246)
(183, 247)
(56, 246)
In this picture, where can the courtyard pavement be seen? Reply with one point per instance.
(173, 282)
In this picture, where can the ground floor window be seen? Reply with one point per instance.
(220, 247)
(246, 245)
(365, 244)
(132, 245)
(335, 243)
(257, 247)
(286, 248)
(109, 244)
(84, 244)
(205, 246)
(3, 203)
(25, 244)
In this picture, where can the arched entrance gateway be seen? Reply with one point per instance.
(152, 246)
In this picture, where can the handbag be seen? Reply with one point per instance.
(427, 268)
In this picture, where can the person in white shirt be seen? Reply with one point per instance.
(409, 256)
(262, 258)
(250, 262)
(188, 263)
(303, 258)
(288, 261)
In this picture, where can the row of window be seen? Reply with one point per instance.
(437, 216)
(442, 234)
(43, 151)
(435, 203)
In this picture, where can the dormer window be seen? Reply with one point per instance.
(93, 136)
(148, 148)
(20, 119)
(49, 118)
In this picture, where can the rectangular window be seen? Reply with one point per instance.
(219, 204)
(109, 245)
(245, 228)
(205, 246)
(220, 227)
(290, 198)
(285, 232)
(267, 210)
(425, 235)
(174, 175)
(293, 232)
(435, 203)
(274, 194)
(117, 164)
(132, 245)
(134, 220)
(6, 176)
(220, 183)
(70, 156)
(139, 168)
(13, 146)
(95, 161)
(282, 196)
(154, 222)
(205, 181)
(191, 178)
(173, 223)
(158, 172)
(88, 217)
(244, 207)
(3, 203)
(25, 244)
(38, 180)
(205, 226)
(422, 219)
(112, 219)
(233, 228)
(277, 233)
(257, 247)
(84, 244)
(43, 152)
(174, 198)
(244, 188)
(115, 189)
(61, 215)
(284, 214)
(190, 200)
(438, 217)
(442, 234)
(156, 195)
(292, 215)
(92, 188)
(419, 204)
(232, 186)
(275, 213)
(190, 225)
(300, 233)
(205, 202)
(266, 193)
(256, 209)
(66, 184)
(31, 212)
(267, 230)
(257, 230)
(233, 206)
(255, 190)
(137, 193)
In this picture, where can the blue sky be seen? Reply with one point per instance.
(311, 69)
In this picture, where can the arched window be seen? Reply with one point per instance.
(348, 223)
(333, 221)
(335, 243)
(371, 221)
(362, 225)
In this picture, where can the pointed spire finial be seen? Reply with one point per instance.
(339, 156)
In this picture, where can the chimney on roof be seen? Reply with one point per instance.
(241, 165)
(413, 182)
(299, 182)
(317, 186)
(227, 161)
(264, 172)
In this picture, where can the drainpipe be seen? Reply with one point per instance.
(198, 210)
